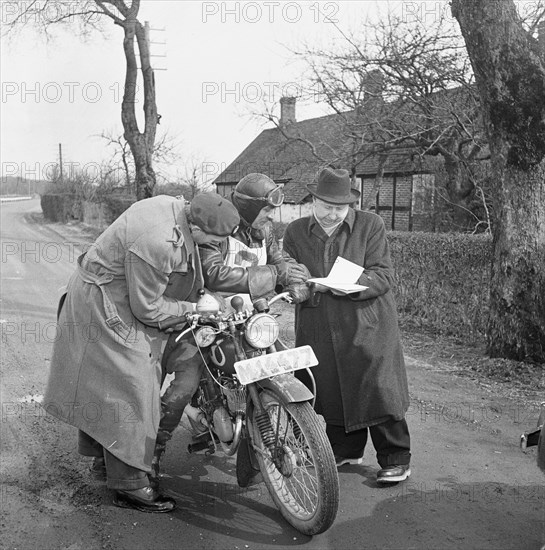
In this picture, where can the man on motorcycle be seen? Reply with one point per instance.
(248, 263)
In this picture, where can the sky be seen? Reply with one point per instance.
(222, 59)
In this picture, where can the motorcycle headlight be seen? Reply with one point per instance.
(262, 331)
(205, 336)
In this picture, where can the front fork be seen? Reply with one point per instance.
(269, 435)
(262, 418)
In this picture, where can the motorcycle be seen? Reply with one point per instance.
(536, 437)
(250, 404)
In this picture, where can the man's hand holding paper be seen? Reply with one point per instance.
(342, 278)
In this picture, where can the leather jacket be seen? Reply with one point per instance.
(258, 280)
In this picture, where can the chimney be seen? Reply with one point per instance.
(373, 83)
(287, 111)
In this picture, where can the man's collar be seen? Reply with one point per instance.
(186, 232)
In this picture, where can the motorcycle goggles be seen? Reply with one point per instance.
(275, 197)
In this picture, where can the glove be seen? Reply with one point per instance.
(299, 292)
(289, 274)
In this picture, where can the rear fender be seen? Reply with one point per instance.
(288, 387)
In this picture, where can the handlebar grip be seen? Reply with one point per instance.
(172, 322)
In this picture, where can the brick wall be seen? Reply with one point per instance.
(393, 200)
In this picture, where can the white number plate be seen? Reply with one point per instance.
(265, 366)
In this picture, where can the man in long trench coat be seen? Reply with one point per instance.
(105, 369)
(361, 378)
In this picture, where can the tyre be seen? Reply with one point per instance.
(541, 440)
(541, 450)
(300, 471)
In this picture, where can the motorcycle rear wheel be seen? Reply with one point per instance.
(303, 483)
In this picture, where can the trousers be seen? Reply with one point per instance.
(187, 365)
(391, 441)
(119, 475)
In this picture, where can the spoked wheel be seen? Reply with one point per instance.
(299, 471)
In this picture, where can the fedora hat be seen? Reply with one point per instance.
(334, 186)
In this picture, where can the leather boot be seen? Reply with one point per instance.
(146, 499)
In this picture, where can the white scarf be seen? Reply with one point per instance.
(329, 230)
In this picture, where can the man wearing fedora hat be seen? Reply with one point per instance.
(361, 378)
(105, 374)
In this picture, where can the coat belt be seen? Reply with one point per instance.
(112, 315)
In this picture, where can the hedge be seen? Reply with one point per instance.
(442, 281)
(64, 207)
(61, 207)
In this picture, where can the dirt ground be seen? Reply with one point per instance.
(471, 486)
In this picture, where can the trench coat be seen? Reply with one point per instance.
(361, 379)
(105, 368)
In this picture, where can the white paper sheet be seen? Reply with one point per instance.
(342, 277)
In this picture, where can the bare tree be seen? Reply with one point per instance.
(400, 85)
(165, 153)
(121, 155)
(195, 178)
(509, 67)
(88, 15)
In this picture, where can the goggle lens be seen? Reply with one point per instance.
(275, 197)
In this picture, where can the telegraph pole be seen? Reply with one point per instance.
(60, 161)
(147, 30)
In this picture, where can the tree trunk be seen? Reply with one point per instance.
(510, 75)
(517, 294)
(141, 144)
(459, 186)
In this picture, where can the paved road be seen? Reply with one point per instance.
(471, 486)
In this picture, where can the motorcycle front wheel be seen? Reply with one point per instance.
(298, 465)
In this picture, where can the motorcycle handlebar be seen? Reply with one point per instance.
(281, 296)
(193, 319)
(172, 322)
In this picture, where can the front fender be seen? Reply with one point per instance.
(290, 388)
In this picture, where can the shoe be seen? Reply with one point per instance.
(394, 474)
(145, 499)
(98, 468)
(341, 460)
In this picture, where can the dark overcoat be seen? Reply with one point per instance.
(361, 378)
(105, 369)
